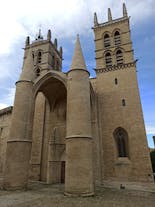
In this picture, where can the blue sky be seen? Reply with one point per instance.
(66, 18)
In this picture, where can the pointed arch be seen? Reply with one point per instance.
(117, 37)
(39, 56)
(106, 39)
(108, 59)
(119, 57)
(121, 139)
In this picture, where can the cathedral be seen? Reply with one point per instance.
(70, 128)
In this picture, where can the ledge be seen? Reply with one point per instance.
(5, 111)
(116, 67)
(122, 161)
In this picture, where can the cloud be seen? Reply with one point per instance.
(65, 17)
(2, 106)
(8, 99)
(150, 129)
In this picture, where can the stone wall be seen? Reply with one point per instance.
(5, 120)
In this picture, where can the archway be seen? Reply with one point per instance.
(49, 131)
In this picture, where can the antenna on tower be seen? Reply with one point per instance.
(39, 35)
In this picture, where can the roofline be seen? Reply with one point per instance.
(6, 110)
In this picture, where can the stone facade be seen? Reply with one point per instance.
(68, 128)
(5, 121)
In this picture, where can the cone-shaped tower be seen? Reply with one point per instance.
(109, 15)
(19, 142)
(125, 13)
(78, 59)
(79, 170)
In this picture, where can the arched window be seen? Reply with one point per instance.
(39, 57)
(119, 57)
(121, 138)
(53, 61)
(33, 56)
(57, 64)
(108, 59)
(117, 38)
(106, 40)
(38, 72)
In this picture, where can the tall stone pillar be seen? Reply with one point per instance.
(79, 169)
(19, 142)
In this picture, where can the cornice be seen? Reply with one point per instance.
(116, 67)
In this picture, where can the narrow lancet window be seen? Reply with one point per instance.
(121, 138)
(123, 102)
(116, 81)
(39, 57)
(38, 72)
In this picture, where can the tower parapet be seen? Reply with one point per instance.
(46, 55)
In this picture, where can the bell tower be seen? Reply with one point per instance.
(45, 53)
(113, 43)
(121, 119)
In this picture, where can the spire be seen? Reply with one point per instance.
(78, 59)
(125, 13)
(49, 35)
(109, 15)
(95, 19)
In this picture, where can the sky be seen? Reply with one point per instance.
(66, 18)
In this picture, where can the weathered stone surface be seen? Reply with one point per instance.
(66, 127)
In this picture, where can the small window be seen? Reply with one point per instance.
(117, 38)
(119, 57)
(38, 72)
(106, 40)
(123, 102)
(39, 57)
(116, 81)
(53, 61)
(108, 59)
(33, 56)
(121, 138)
(57, 65)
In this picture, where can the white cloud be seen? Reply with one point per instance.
(150, 129)
(2, 106)
(66, 17)
(8, 98)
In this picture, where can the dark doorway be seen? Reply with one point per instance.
(63, 172)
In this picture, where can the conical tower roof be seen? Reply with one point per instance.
(78, 59)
